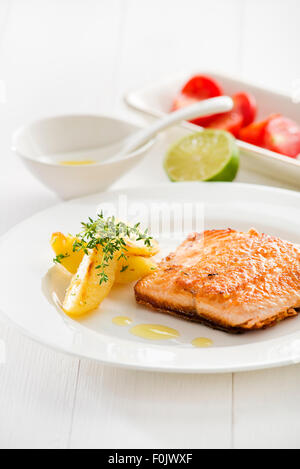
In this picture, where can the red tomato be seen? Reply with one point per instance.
(282, 135)
(202, 87)
(182, 101)
(244, 111)
(255, 133)
(196, 89)
(231, 121)
(245, 103)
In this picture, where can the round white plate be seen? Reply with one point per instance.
(30, 287)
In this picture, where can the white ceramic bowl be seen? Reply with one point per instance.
(45, 144)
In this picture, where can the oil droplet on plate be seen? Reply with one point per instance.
(154, 332)
(202, 342)
(122, 321)
(77, 163)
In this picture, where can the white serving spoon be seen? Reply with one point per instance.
(207, 107)
(132, 143)
(120, 149)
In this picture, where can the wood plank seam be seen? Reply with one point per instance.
(5, 21)
(73, 406)
(120, 41)
(241, 27)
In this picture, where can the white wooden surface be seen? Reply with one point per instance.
(81, 56)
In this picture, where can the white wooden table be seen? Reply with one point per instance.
(81, 56)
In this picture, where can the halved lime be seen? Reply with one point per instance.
(209, 155)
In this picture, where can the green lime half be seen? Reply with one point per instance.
(210, 155)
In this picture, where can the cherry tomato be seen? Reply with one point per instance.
(196, 89)
(245, 103)
(255, 133)
(182, 101)
(244, 111)
(231, 121)
(282, 135)
(202, 87)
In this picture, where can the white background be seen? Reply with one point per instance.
(61, 56)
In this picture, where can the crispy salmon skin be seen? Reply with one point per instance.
(229, 280)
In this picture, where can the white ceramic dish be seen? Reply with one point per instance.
(30, 286)
(156, 100)
(44, 144)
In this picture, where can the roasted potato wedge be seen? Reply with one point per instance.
(133, 268)
(62, 244)
(138, 248)
(85, 293)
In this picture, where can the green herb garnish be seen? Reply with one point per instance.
(60, 257)
(110, 236)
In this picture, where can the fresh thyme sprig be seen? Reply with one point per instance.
(110, 235)
(60, 257)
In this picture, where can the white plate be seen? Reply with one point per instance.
(156, 100)
(30, 286)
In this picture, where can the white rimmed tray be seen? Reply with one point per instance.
(156, 100)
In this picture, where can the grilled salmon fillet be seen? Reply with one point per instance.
(229, 280)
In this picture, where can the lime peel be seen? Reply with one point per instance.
(208, 155)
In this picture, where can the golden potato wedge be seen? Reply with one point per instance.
(138, 248)
(63, 245)
(85, 293)
(138, 267)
